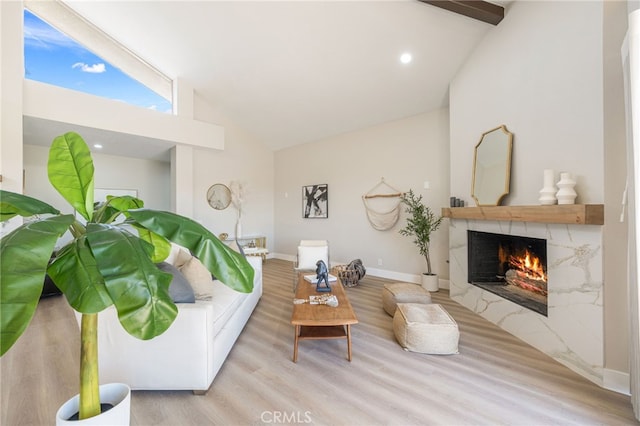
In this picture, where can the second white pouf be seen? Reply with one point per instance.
(394, 293)
(426, 328)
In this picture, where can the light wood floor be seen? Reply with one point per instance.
(495, 380)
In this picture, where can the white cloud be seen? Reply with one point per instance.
(95, 68)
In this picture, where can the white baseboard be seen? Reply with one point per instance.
(444, 283)
(616, 381)
(393, 275)
(401, 276)
(375, 272)
(287, 257)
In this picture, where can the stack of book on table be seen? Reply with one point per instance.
(313, 279)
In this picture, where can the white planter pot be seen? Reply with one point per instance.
(116, 394)
(430, 282)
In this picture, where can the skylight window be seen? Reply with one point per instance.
(54, 58)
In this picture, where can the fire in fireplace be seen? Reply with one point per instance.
(513, 267)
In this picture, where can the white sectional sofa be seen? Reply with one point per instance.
(190, 353)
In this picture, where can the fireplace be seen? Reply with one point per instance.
(510, 266)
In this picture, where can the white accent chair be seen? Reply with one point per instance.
(309, 252)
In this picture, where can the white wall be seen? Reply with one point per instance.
(244, 159)
(150, 178)
(541, 73)
(405, 152)
(11, 74)
(616, 233)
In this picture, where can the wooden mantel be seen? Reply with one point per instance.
(576, 214)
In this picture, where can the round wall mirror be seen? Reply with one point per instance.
(219, 196)
(492, 167)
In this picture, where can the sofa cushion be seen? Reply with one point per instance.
(180, 290)
(224, 300)
(199, 277)
(225, 303)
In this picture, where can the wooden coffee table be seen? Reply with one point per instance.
(314, 322)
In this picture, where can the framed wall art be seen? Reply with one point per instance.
(315, 201)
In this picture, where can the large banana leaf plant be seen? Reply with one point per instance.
(110, 259)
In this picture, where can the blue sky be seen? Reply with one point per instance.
(52, 57)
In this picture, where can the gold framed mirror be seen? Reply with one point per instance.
(492, 167)
(219, 196)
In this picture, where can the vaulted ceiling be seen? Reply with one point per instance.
(298, 71)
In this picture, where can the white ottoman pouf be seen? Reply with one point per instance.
(394, 293)
(426, 329)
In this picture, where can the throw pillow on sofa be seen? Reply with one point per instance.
(199, 277)
(180, 290)
(178, 255)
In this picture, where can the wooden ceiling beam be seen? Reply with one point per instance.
(476, 9)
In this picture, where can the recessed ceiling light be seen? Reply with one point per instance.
(97, 146)
(406, 57)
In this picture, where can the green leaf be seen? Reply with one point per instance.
(13, 204)
(125, 202)
(161, 247)
(227, 265)
(121, 205)
(24, 255)
(139, 290)
(108, 211)
(70, 170)
(76, 274)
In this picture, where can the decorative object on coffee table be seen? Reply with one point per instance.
(309, 252)
(322, 274)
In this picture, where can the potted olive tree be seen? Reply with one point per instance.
(421, 222)
(106, 262)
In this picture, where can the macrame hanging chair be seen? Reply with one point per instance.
(382, 220)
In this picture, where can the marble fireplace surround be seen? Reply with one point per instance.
(572, 333)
